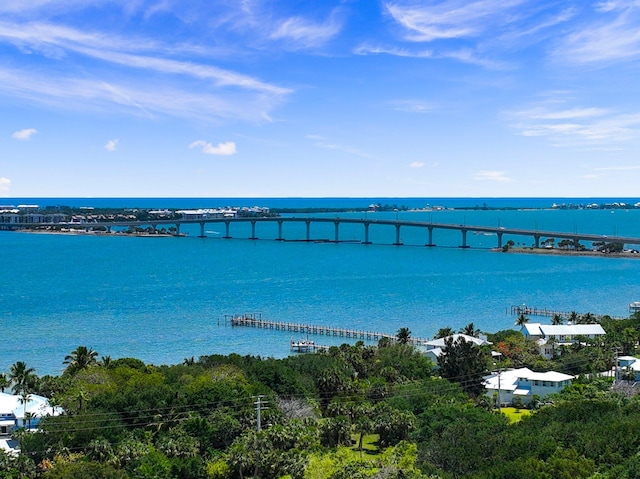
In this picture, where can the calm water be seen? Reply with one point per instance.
(164, 299)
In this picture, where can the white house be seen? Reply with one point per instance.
(629, 364)
(524, 384)
(548, 336)
(13, 410)
(434, 348)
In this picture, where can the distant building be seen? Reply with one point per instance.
(434, 349)
(523, 383)
(548, 336)
(12, 412)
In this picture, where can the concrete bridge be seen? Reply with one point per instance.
(366, 223)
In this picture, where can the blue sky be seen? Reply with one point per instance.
(244, 98)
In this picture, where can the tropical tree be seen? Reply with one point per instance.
(79, 359)
(403, 335)
(574, 317)
(444, 332)
(470, 330)
(21, 376)
(464, 362)
(4, 382)
(522, 320)
(557, 319)
(24, 399)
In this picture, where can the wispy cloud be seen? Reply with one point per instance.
(429, 21)
(613, 35)
(111, 145)
(322, 143)
(183, 88)
(497, 176)
(5, 186)
(580, 127)
(416, 164)
(135, 98)
(24, 134)
(411, 106)
(300, 32)
(221, 149)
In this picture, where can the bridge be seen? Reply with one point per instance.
(366, 224)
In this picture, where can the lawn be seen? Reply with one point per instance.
(515, 414)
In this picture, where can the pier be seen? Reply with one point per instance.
(550, 313)
(254, 320)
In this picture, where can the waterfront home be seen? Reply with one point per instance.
(434, 348)
(522, 384)
(548, 336)
(14, 413)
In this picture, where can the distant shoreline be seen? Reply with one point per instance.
(562, 252)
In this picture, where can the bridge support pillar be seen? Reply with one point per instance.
(308, 223)
(499, 240)
(536, 240)
(464, 239)
(279, 238)
(226, 230)
(366, 233)
(177, 229)
(202, 230)
(430, 243)
(108, 229)
(398, 240)
(337, 234)
(253, 231)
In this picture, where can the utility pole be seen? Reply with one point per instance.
(260, 405)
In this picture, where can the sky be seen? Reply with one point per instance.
(330, 98)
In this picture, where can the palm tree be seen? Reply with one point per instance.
(79, 359)
(470, 330)
(588, 318)
(557, 319)
(403, 335)
(4, 382)
(24, 399)
(522, 320)
(574, 317)
(443, 333)
(21, 376)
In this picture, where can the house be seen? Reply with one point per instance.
(13, 412)
(547, 336)
(523, 384)
(629, 368)
(434, 348)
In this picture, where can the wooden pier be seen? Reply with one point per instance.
(550, 313)
(306, 346)
(254, 320)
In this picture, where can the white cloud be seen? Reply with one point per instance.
(416, 164)
(111, 145)
(614, 35)
(305, 34)
(582, 127)
(497, 176)
(24, 134)
(5, 185)
(411, 106)
(222, 149)
(450, 18)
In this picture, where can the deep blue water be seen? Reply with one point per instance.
(161, 299)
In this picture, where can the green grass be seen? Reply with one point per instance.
(369, 445)
(514, 414)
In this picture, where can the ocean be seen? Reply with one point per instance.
(165, 299)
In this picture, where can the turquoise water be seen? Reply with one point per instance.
(163, 299)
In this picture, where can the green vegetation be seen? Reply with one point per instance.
(352, 412)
